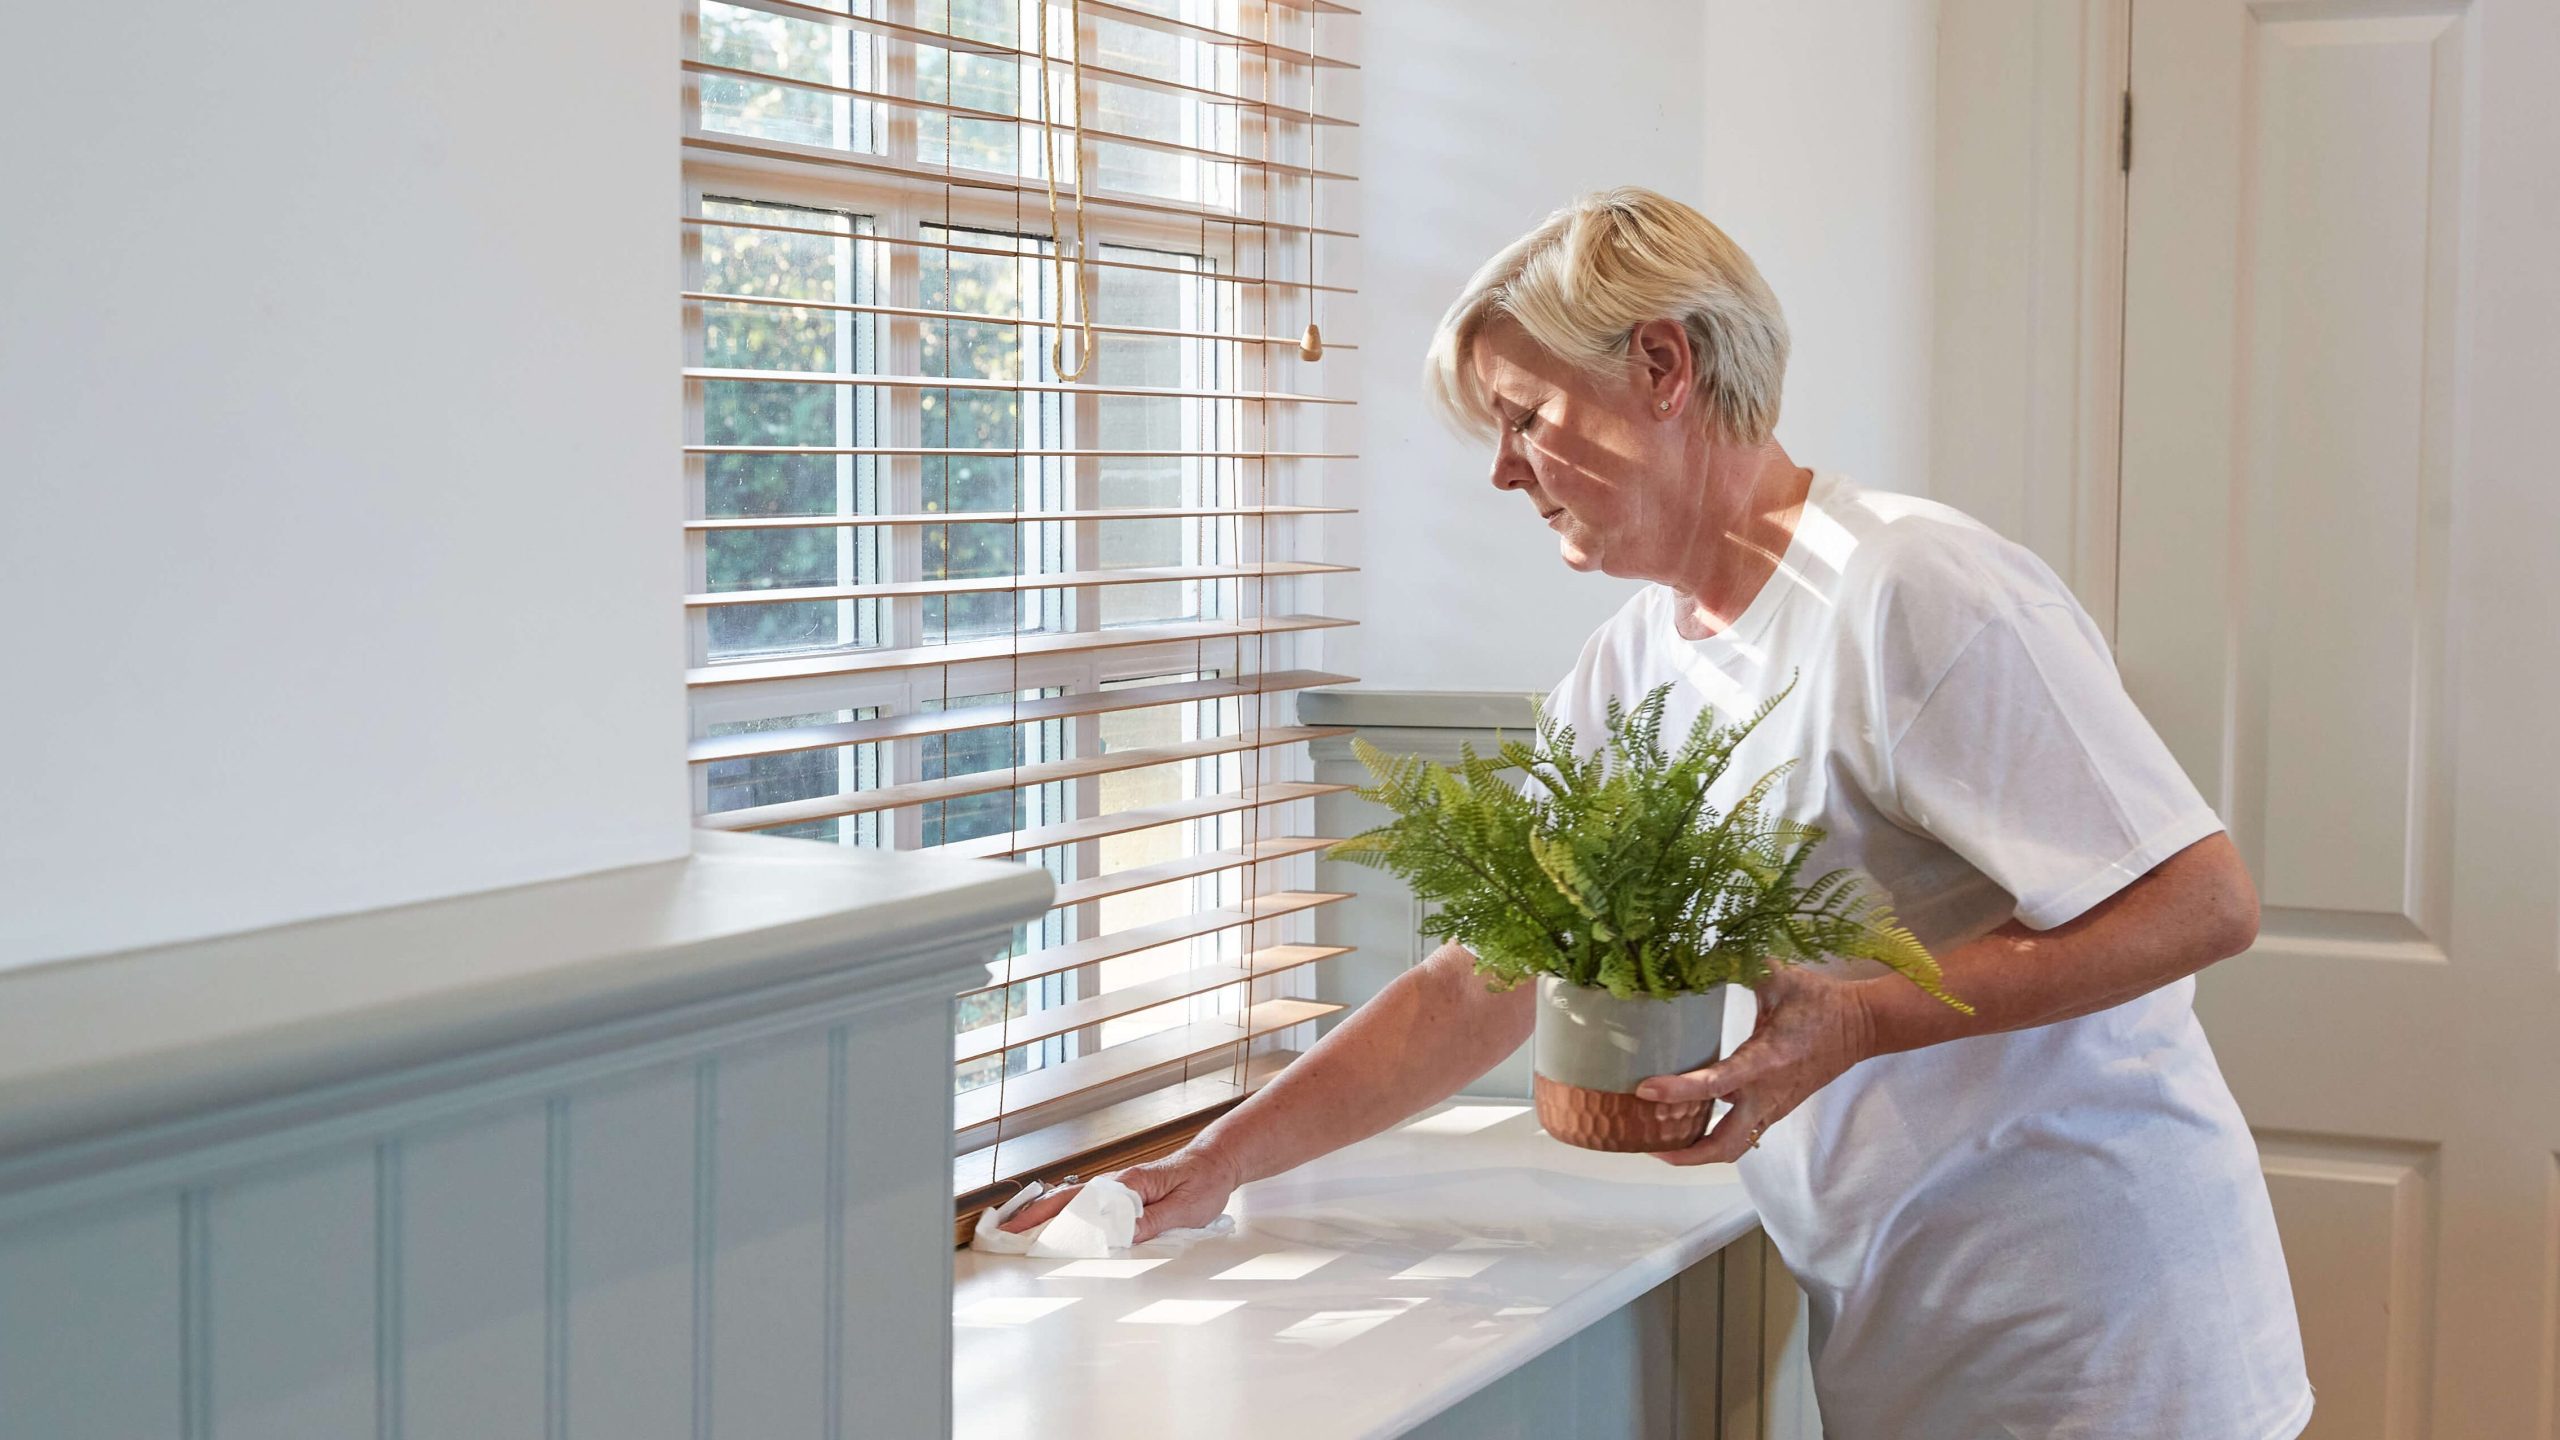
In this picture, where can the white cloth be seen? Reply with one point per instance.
(1101, 1219)
(2057, 1232)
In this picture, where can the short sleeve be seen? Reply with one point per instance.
(2027, 758)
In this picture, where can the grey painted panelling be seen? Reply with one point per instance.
(1612, 1381)
(89, 1326)
(473, 1271)
(768, 1228)
(629, 1261)
(896, 1232)
(289, 1272)
(752, 1240)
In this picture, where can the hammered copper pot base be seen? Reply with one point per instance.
(1608, 1120)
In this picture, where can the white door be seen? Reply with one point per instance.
(2339, 543)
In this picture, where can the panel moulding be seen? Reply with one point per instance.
(2359, 1219)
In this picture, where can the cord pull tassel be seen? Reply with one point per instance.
(1311, 344)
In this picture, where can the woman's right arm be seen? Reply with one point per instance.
(1428, 1033)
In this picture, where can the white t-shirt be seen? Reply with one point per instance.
(2056, 1232)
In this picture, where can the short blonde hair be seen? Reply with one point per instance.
(1589, 274)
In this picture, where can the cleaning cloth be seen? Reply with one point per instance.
(1101, 1219)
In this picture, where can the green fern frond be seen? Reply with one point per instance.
(1615, 869)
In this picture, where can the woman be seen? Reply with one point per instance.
(2042, 1219)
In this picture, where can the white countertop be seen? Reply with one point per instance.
(1360, 1295)
(147, 1036)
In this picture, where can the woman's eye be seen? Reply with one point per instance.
(1527, 419)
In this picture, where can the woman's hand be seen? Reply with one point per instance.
(1812, 1028)
(1183, 1191)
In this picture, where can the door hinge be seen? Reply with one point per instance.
(2124, 149)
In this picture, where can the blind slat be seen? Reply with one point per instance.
(1056, 959)
(1047, 1147)
(1189, 867)
(987, 782)
(1058, 1020)
(949, 247)
(1073, 642)
(974, 317)
(1122, 822)
(1045, 1087)
(1098, 133)
(1244, 216)
(1019, 517)
(753, 743)
(1004, 584)
(961, 44)
(1278, 48)
(786, 153)
(871, 379)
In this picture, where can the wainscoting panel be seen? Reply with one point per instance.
(903, 1069)
(659, 1154)
(473, 1279)
(89, 1325)
(765, 1192)
(628, 1258)
(754, 1241)
(288, 1330)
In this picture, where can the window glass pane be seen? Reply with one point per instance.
(1152, 423)
(1008, 285)
(801, 775)
(1154, 114)
(976, 751)
(772, 264)
(977, 82)
(745, 39)
(1132, 789)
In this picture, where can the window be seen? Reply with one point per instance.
(945, 595)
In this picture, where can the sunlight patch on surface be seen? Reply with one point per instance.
(1281, 1265)
(1102, 1269)
(1327, 1328)
(1180, 1312)
(1465, 1120)
(1450, 1265)
(1012, 1310)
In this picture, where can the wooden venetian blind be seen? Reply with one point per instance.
(1008, 502)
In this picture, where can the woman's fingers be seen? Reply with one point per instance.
(1731, 1136)
(1719, 1081)
(1041, 1211)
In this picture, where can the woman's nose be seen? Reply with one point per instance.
(1510, 467)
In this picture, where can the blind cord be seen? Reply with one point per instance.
(1049, 176)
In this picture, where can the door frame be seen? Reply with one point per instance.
(2029, 242)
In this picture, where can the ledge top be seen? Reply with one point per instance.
(1361, 1294)
(108, 1042)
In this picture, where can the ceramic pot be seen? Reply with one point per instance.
(1594, 1049)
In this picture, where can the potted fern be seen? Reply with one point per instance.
(1632, 901)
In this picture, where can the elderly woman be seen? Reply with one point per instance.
(2041, 1219)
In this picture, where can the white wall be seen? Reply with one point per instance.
(1803, 129)
(1478, 118)
(1819, 160)
(340, 419)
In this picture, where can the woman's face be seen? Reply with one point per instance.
(1601, 459)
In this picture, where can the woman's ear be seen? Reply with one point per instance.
(1665, 366)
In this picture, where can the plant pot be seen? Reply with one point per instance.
(1594, 1049)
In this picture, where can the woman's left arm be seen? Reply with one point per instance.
(2192, 909)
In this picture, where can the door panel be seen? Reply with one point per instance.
(2337, 552)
